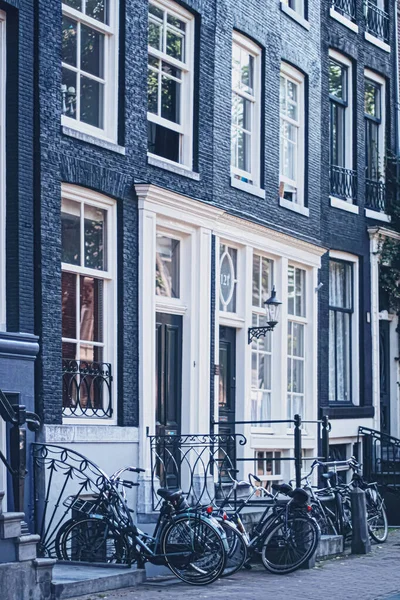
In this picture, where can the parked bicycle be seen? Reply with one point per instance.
(286, 536)
(190, 543)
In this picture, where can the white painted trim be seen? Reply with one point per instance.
(173, 167)
(343, 20)
(2, 171)
(377, 215)
(246, 44)
(84, 196)
(368, 74)
(373, 40)
(298, 11)
(108, 132)
(376, 232)
(296, 16)
(299, 208)
(344, 205)
(90, 434)
(355, 322)
(170, 307)
(374, 235)
(247, 187)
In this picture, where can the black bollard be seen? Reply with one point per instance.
(360, 542)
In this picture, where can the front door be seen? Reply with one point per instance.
(168, 397)
(227, 389)
(384, 374)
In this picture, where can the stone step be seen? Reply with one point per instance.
(330, 545)
(10, 525)
(26, 547)
(70, 580)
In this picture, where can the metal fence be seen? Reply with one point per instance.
(375, 195)
(347, 8)
(343, 183)
(87, 389)
(377, 21)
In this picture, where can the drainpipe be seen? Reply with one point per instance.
(396, 78)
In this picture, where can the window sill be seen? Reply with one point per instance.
(156, 161)
(301, 210)
(295, 16)
(343, 205)
(373, 40)
(91, 139)
(343, 20)
(348, 411)
(247, 187)
(377, 215)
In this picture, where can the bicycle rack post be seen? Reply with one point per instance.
(360, 542)
(325, 437)
(297, 449)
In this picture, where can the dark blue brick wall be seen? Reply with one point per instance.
(343, 230)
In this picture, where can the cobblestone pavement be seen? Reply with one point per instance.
(371, 577)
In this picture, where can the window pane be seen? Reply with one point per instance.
(69, 31)
(176, 22)
(256, 280)
(68, 93)
(340, 284)
(298, 376)
(69, 351)
(372, 99)
(228, 265)
(77, 4)
(68, 305)
(157, 12)
(167, 267)
(91, 102)
(291, 290)
(97, 9)
(91, 306)
(92, 51)
(70, 235)
(90, 354)
(244, 151)
(163, 142)
(264, 372)
(175, 45)
(300, 292)
(332, 355)
(152, 92)
(155, 35)
(277, 463)
(170, 99)
(337, 80)
(343, 393)
(265, 279)
(298, 339)
(95, 224)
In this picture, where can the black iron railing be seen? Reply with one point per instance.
(377, 21)
(381, 457)
(204, 466)
(87, 389)
(343, 183)
(347, 8)
(375, 195)
(17, 416)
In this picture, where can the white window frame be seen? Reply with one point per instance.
(355, 355)
(368, 74)
(185, 127)
(255, 158)
(84, 196)
(292, 74)
(298, 6)
(165, 304)
(2, 171)
(110, 104)
(300, 320)
(274, 476)
(235, 291)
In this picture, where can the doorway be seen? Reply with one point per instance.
(384, 375)
(227, 390)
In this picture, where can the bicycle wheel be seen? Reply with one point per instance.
(377, 518)
(289, 544)
(194, 550)
(91, 540)
(324, 521)
(237, 552)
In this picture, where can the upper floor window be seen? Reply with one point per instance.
(245, 126)
(89, 90)
(296, 5)
(170, 82)
(88, 305)
(374, 113)
(341, 310)
(377, 20)
(296, 341)
(345, 8)
(292, 126)
(342, 177)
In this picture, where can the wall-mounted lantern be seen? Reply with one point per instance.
(272, 308)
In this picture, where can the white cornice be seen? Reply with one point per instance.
(375, 232)
(197, 212)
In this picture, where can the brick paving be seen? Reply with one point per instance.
(375, 576)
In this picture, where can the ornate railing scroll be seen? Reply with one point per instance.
(343, 183)
(375, 195)
(200, 465)
(64, 480)
(346, 8)
(377, 21)
(87, 389)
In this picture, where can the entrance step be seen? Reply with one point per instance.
(330, 545)
(70, 580)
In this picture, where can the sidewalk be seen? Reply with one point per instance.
(371, 577)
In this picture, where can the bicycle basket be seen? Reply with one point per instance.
(84, 504)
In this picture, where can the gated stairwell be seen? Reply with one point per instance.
(381, 463)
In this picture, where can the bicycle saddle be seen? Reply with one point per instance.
(329, 475)
(174, 496)
(283, 488)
